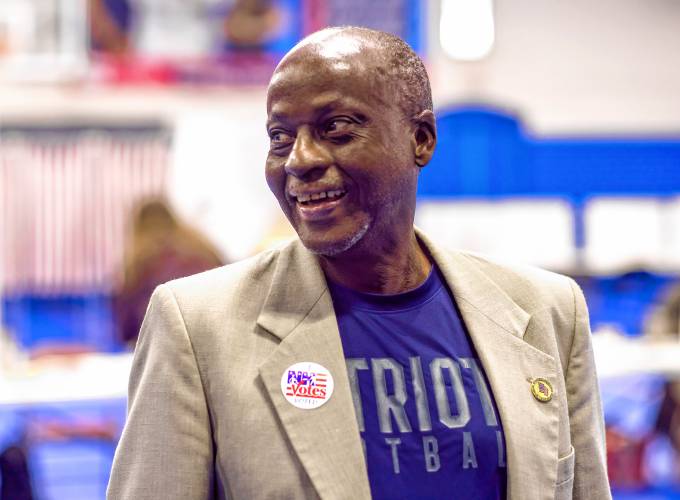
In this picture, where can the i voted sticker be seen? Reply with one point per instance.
(307, 385)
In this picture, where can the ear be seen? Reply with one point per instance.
(424, 137)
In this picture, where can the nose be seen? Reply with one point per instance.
(307, 155)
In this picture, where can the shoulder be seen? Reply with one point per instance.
(530, 287)
(527, 285)
(553, 302)
(240, 286)
(244, 273)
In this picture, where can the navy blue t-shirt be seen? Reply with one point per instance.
(428, 420)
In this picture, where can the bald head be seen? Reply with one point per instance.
(393, 62)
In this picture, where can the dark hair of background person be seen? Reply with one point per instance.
(160, 248)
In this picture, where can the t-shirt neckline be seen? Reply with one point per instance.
(388, 302)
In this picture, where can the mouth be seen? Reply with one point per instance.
(318, 205)
(308, 199)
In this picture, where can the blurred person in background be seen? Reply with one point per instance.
(182, 28)
(106, 30)
(663, 324)
(15, 480)
(362, 360)
(160, 248)
(154, 28)
(252, 23)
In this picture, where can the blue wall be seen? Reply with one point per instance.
(483, 152)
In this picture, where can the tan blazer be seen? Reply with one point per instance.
(207, 418)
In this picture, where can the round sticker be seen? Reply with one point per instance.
(307, 385)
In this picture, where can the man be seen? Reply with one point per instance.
(362, 360)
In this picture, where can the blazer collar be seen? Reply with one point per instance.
(297, 285)
(299, 282)
(470, 285)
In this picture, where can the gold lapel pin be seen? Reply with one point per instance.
(541, 389)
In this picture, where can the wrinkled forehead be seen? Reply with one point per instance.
(346, 65)
(332, 47)
(335, 46)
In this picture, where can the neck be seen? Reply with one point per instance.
(391, 269)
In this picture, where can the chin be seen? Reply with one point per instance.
(335, 247)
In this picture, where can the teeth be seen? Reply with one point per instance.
(304, 198)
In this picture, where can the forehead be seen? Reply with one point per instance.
(328, 74)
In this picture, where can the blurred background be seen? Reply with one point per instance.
(132, 147)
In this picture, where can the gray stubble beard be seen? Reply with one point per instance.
(343, 246)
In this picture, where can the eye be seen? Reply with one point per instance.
(338, 129)
(279, 138)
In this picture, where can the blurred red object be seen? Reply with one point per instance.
(60, 352)
(625, 459)
(56, 430)
(135, 70)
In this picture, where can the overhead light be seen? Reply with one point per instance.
(466, 28)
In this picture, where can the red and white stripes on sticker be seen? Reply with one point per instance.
(65, 204)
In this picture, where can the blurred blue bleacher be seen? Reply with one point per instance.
(84, 320)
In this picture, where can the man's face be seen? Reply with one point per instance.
(341, 158)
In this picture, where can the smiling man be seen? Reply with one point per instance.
(362, 360)
(348, 138)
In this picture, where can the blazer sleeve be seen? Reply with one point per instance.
(166, 449)
(585, 410)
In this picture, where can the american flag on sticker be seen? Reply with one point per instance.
(307, 385)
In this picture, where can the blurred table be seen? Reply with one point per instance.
(66, 411)
(617, 355)
(64, 378)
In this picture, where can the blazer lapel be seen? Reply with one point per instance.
(299, 311)
(497, 325)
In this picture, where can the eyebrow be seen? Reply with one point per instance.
(327, 107)
(275, 118)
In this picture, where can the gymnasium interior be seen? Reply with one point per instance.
(558, 147)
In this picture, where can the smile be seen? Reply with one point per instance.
(320, 205)
(310, 198)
